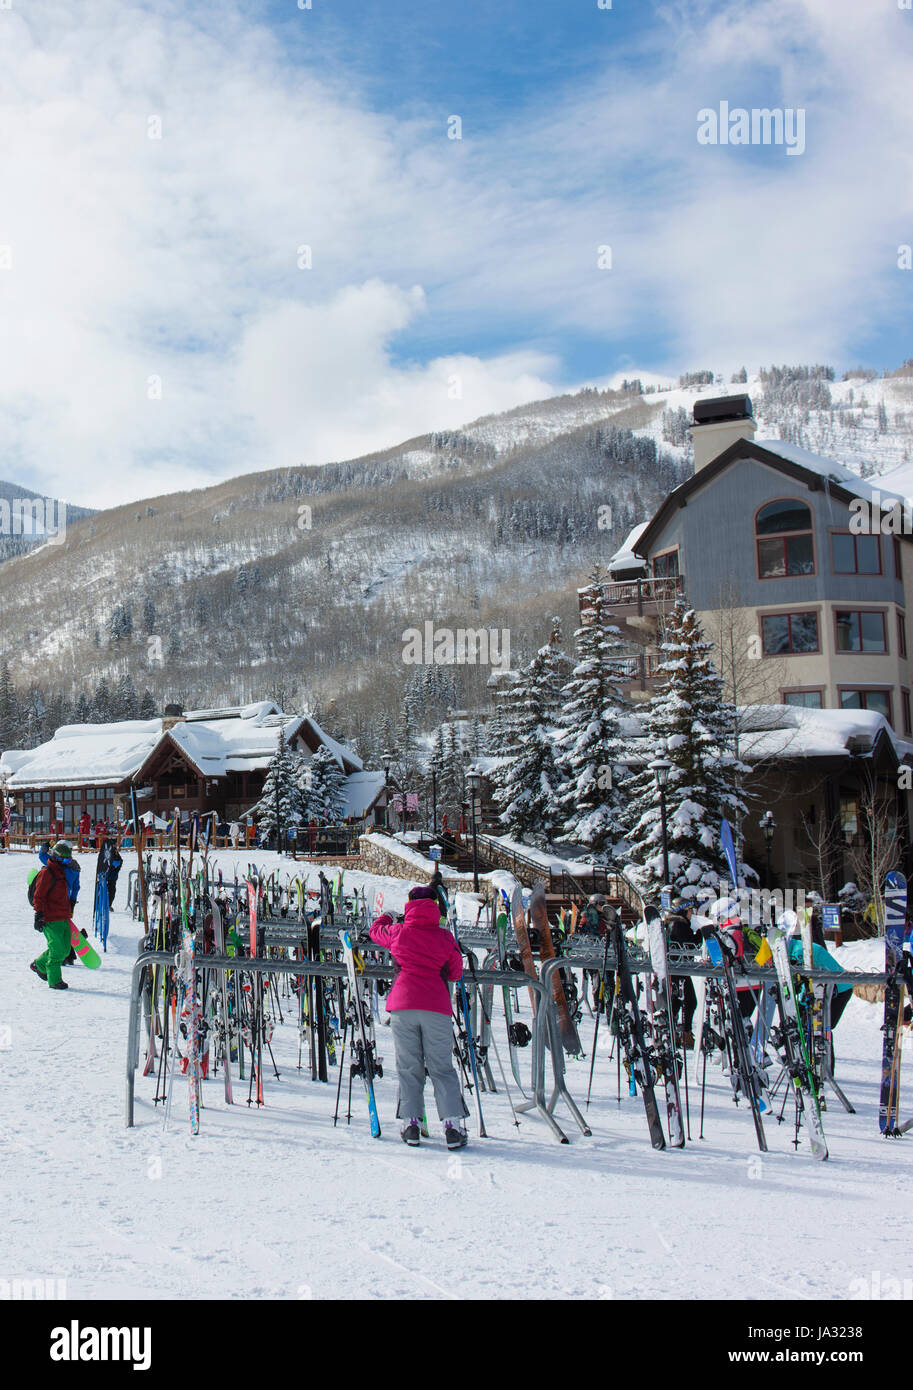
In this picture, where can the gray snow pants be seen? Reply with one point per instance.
(424, 1040)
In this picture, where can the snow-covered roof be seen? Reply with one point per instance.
(85, 754)
(625, 557)
(216, 742)
(361, 790)
(828, 469)
(792, 731)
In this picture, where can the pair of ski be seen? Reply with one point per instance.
(897, 970)
(538, 921)
(363, 1061)
(747, 1056)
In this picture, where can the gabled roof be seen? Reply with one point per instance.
(815, 472)
(214, 742)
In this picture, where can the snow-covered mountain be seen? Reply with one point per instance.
(300, 583)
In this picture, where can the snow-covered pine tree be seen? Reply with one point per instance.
(101, 704)
(9, 710)
(326, 799)
(687, 721)
(589, 738)
(125, 703)
(556, 672)
(528, 782)
(147, 706)
(280, 804)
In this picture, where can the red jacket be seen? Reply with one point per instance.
(426, 955)
(52, 896)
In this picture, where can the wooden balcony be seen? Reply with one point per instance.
(641, 670)
(645, 596)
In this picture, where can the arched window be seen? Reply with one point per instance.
(783, 533)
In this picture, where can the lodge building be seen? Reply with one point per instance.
(212, 760)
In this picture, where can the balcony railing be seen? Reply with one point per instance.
(645, 594)
(640, 669)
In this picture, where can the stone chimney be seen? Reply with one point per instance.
(719, 423)
(174, 714)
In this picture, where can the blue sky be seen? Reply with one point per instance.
(167, 333)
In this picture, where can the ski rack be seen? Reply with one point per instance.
(545, 1029)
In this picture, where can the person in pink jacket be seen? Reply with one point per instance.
(427, 961)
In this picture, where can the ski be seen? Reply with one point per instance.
(895, 912)
(745, 1075)
(538, 912)
(364, 1063)
(662, 1022)
(631, 1037)
(795, 1047)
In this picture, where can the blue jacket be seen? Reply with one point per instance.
(71, 869)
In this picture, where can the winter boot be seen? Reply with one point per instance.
(455, 1137)
(59, 985)
(40, 973)
(411, 1133)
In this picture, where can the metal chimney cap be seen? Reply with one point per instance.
(722, 408)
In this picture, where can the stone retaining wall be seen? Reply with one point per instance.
(384, 859)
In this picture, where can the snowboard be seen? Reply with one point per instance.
(86, 953)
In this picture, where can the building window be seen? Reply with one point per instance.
(804, 699)
(860, 631)
(902, 635)
(784, 539)
(905, 711)
(855, 554)
(666, 566)
(877, 700)
(898, 562)
(789, 633)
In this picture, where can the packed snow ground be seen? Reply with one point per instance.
(279, 1204)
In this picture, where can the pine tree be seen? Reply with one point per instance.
(126, 705)
(120, 624)
(589, 738)
(688, 722)
(280, 804)
(101, 704)
(451, 779)
(147, 706)
(82, 712)
(327, 798)
(526, 789)
(10, 730)
(149, 615)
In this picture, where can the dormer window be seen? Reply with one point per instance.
(783, 533)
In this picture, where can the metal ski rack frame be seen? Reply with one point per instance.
(337, 969)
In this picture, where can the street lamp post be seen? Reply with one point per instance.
(434, 803)
(768, 826)
(473, 784)
(387, 758)
(661, 767)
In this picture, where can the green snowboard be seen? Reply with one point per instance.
(87, 954)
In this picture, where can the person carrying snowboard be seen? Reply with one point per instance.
(427, 962)
(52, 900)
(72, 870)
